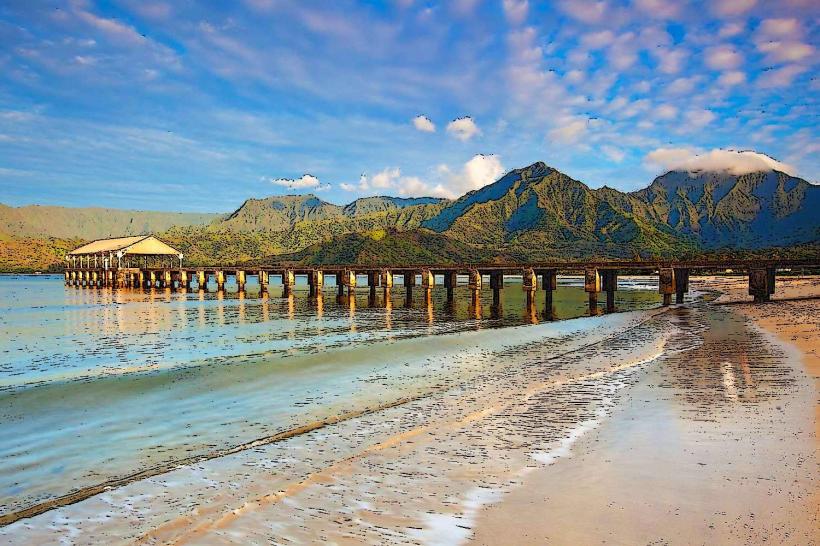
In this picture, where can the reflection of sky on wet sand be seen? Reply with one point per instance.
(729, 363)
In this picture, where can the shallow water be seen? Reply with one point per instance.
(96, 385)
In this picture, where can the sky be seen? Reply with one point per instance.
(197, 106)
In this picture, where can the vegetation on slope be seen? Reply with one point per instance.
(534, 214)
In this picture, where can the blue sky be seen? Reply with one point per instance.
(197, 106)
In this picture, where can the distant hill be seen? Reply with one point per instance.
(384, 247)
(91, 223)
(534, 213)
(368, 205)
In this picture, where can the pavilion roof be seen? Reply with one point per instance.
(144, 245)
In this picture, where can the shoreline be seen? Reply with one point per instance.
(471, 460)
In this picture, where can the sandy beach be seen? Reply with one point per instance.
(695, 424)
(719, 447)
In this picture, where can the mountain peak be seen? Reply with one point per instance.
(536, 170)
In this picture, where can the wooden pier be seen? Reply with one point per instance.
(139, 263)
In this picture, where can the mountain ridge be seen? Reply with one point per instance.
(531, 213)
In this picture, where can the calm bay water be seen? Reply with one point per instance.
(96, 385)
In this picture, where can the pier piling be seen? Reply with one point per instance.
(592, 285)
(666, 284)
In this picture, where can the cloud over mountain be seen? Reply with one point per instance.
(734, 162)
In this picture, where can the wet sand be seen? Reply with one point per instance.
(688, 426)
(716, 446)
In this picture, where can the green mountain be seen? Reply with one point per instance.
(754, 210)
(278, 213)
(385, 247)
(540, 213)
(534, 213)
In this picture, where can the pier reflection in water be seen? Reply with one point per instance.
(116, 380)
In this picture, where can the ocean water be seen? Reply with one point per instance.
(96, 385)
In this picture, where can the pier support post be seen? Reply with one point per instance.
(263, 281)
(474, 284)
(549, 283)
(386, 281)
(220, 280)
(681, 283)
(316, 279)
(340, 284)
(761, 283)
(496, 284)
(373, 279)
(202, 280)
(167, 281)
(409, 283)
(592, 285)
(428, 280)
(609, 280)
(240, 280)
(288, 280)
(529, 283)
(450, 282)
(349, 280)
(666, 284)
(152, 279)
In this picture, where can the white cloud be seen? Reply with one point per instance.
(615, 154)
(679, 86)
(391, 181)
(779, 28)
(423, 123)
(731, 29)
(586, 12)
(734, 77)
(666, 111)
(670, 60)
(789, 51)
(304, 182)
(735, 162)
(569, 133)
(516, 10)
(699, 118)
(723, 57)
(463, 128)
(386, 178)
(575, 76)
(731, 8)
(476, 173)
(780, 77)
(623, 53)
(597, 40)
(659, 9)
